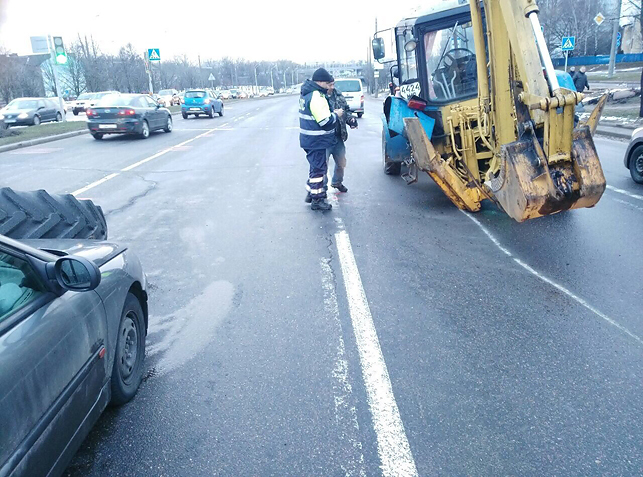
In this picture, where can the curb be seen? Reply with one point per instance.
(614, 132)
(42, 140)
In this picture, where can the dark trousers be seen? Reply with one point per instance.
(318, 160)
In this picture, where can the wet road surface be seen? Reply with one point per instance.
(393, 334)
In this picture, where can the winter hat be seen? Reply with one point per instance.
(322, 75)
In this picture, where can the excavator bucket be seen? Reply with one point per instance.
(462, 194)
(527, 187)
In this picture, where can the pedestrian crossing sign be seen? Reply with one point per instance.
(154, 54)
(569, 43)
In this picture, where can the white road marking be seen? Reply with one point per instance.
(624, 192)
(137, 164)
(624, 202)
(559, 287)
(392, 444)
(345, 413)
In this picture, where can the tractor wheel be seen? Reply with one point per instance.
(390, 168)
(37, 214)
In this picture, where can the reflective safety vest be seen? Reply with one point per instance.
(316, 121)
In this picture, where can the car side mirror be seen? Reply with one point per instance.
(378, 48)
(76, 273)
(40, 108)
(396, 72)
(158, 105)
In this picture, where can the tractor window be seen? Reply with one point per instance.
(408, 64)
(451, 63)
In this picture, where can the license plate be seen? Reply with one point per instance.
(195, 109)
(107, 126)
(9, 121)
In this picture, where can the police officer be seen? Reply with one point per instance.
(317, 124)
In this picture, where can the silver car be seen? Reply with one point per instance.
(634, 156)
(73, 322)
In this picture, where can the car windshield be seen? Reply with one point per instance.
(195, 94)
(101, 95)
(166, 92)
(348, 86)
(116, 100)
(85, 96)
(22, 104)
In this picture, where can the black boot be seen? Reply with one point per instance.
(340, 187)
(320, 204)
(309, 198)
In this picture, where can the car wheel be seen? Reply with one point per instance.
(75, 113)
(145, 132)
(36, 120)
(127, 372)
(97, 136)
(359, 115)
(168, 126)
(59, 117)
(636, 165)
(211, 112)
(185, 116)
(221, 112)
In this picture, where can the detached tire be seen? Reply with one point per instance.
(129, 356)
(37, 214)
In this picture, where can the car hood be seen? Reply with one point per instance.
(97, 251)
(16, 111)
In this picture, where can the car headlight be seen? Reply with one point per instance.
(1, 117)
(23, 116)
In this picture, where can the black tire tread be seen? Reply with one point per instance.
(39, 215)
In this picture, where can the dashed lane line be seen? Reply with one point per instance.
(624, 192)
(109, 177)
(392, 443)
(549, 281)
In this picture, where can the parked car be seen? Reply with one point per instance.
(263, 93)
(242, 95)
(31, 111)
(81, 103)
(634, 156)
(73, 322)
(201, 101)
(225, 94)
(128, 114)
(169, 97)
(234, 93)
(353, 92)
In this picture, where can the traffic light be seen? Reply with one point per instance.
(59, 51)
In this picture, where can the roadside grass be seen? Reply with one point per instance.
(14, 135)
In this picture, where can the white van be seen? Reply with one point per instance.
(352, 90)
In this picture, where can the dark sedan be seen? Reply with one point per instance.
(73, 320)
(128, 114)
(31, 111)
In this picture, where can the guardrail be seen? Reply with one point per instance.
(598, 60)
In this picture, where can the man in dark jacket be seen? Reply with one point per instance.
(580, 80)
(338, 151)
(317, 125)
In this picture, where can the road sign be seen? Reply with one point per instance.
(211, 77)
(39, 44)
(599, 19)
(154, 54)
(569, 43)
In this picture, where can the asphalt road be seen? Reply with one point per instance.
(393, 333)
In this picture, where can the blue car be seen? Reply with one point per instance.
(200, 101)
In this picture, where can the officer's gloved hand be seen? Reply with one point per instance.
(352, 122)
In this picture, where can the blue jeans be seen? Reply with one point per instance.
(338, 151)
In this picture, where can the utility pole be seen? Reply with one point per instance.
(617, 22)
(272, 82)
(285, 84)
(256, 82)
(148, 68)
(54, 67)
(200, 71)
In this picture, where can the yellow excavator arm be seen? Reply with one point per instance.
(519, 143)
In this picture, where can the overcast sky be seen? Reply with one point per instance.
(302, 31)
